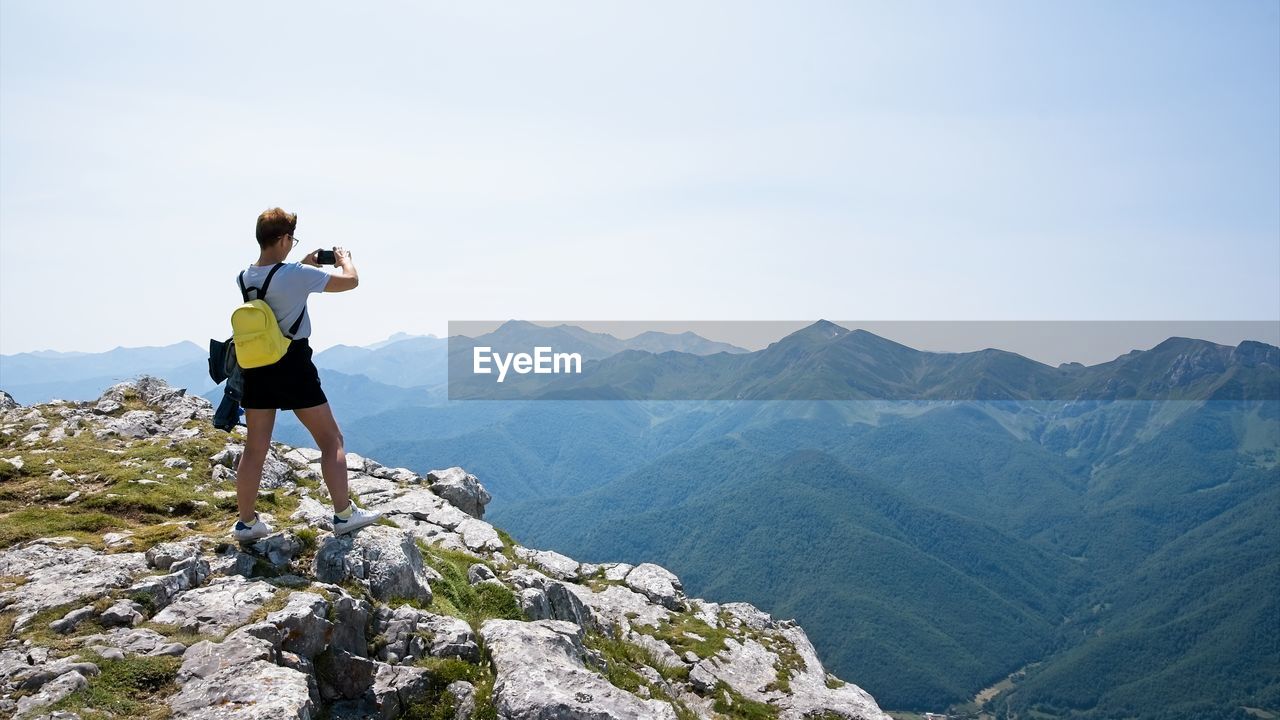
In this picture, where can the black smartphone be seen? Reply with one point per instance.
(325, 257)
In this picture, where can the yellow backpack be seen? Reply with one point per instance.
(254, 329)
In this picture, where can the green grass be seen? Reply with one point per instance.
(731, 704)
(107, 474)
(134, 687)
(456, 596)
(673, 632)
(439, 704)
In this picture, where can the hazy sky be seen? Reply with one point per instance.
(887, 160)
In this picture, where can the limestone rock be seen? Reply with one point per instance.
(541, 674)
(313, 513)
(464, 699)
(413, 634)
(68, 622)
(396, 687)
(206, 659)
(134, 641)
(810, 696)
(218, 607)
(552, 563)
(479, 572)
(51, 692)
(384, 560)
(344, 675)
(658, 584)
(302, 621)
(259, 690)
(619, 608)
(59, 575)
(164, 555)
(279, 548)
(461, 489)
(124, 612)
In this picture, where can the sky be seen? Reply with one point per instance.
(659, 161)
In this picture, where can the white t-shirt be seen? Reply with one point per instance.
(287, 293)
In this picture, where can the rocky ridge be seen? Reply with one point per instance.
(120, 595)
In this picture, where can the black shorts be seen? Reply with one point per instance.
(291, 383)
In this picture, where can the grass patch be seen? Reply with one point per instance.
(440, 704)
(133, 687)
(623, 661)
(308, 537)
(675, 631)
(34, 522)
(508, 545)
(122, 486)
(730, 703)
(277, 602)
(456, 596)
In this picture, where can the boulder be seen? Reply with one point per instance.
(344, 675)
(461, 489)
(384, 560)
(303, 623)
(124, 612)
(413, 634)
(52, 692)
(658, 584)
(218, 607)
(258, 690)
(396, 687)
(541, 673)
(206, 659)
(552, 563)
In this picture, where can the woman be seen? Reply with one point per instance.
(291, 383)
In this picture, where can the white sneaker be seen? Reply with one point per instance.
(359, 518)
(248, 533)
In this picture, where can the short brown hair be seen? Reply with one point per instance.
(273, 223)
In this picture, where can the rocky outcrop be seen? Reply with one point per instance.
(542, 672)
(377, 624)
(460, 488)
(383, 560)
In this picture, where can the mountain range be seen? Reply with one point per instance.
(1100, 538)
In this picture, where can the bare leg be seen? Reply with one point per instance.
(333, 454)
(249, 473)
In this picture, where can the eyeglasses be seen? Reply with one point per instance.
(295, 242)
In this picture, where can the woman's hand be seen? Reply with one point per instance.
(310, 259)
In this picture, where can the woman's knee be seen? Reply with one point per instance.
(331, 444)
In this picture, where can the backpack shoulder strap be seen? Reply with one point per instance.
(262, 294)
(262, 291)
(293, 330)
